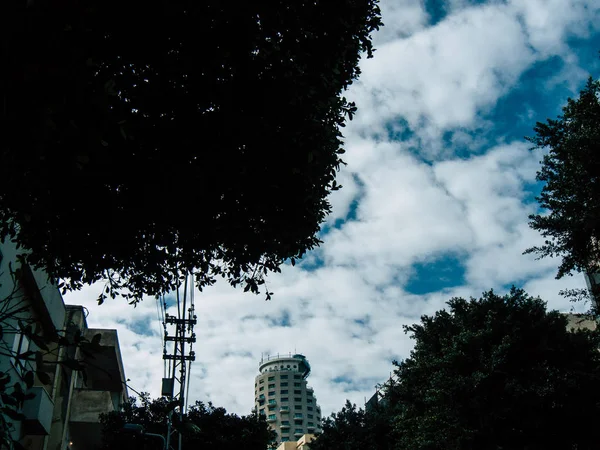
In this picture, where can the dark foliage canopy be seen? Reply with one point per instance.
(571, 176)
(143, 140)
(494, 373)
(204, 426)
(353, 428)
(498, 373)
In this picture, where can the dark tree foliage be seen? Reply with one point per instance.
(498, 373)
(204, 426)
(357, 429)
(571, 176)
(145, 139)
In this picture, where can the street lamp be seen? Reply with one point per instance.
(138, 430)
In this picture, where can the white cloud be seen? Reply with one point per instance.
(440, 78)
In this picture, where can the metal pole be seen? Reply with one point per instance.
(161, 438)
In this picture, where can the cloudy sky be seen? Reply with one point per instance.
(436, 195)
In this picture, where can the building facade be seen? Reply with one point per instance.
(282, 395)
(301, 444)
(64, 412)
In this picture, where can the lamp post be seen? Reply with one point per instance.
(138, 430)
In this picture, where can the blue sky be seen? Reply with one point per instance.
(436, 195)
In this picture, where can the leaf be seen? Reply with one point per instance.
(4, 380)
(172, 405)
(86, 352)
(13, 414)
(39, 361)
(9, 400)
(26, 355)
(43, 377)
(29, 379)
(72, 364)
(37, 340)
(96, 340)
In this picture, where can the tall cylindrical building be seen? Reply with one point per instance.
(283, 397)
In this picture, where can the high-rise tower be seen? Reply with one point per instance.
(282, 395)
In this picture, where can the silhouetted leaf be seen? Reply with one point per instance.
(14, 415)
(43, 377)
(9, 399)
(72, 364)
(96, 339)
(29, 379)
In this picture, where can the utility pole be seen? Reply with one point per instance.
(178, 331)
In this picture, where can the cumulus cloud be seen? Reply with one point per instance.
(431, 181)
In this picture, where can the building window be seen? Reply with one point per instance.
(310, 416)
(297, 399)
(297, 384)
(272, 386)
(297, 406)
(272, 402)
(284, 384)
(261, 397)
(285, 422)
(262, 381)
(284, 377)
(271, 393)
(262, 388)
(284, 438)
(262, 412)
(299, 430)
(271, 378)
(298, 416)
(284, 399)
(283, 391)
(271, 408)
(311, 424)
(297, 377)
(309, 400)
(309, 408)
(272, 417)
(298, 392)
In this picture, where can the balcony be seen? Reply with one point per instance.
(284, 426)
(271, 419)
(284, 409)
(272, 401)
(299, 433)
(38, 412)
